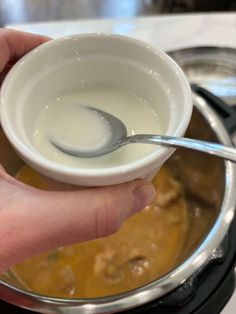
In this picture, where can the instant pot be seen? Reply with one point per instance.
(203, 281)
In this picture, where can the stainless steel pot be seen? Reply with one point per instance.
(204, 125)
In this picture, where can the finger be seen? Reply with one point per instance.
(15, 44)
(100, 211)
(47, 220)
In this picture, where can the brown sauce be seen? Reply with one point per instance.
(147, 246)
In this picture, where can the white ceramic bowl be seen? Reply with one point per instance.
(61, 65)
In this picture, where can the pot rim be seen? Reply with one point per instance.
(168, 282)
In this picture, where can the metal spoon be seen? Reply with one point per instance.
(119, 138)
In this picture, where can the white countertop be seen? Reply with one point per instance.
(166, 32)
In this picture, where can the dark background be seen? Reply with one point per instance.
(23, 11)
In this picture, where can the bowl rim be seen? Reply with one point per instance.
(42, 162)
(171, 280)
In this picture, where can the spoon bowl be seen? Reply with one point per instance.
(119, 138)
(116, 140)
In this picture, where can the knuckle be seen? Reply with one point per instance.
(108, 217)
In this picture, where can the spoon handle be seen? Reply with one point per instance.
(219, 150)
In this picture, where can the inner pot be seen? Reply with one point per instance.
(198, 249)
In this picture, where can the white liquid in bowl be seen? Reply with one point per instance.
(66, 116)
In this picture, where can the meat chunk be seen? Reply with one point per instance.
(67, 280)
(201, 176)
(168, 189)
(107, 266)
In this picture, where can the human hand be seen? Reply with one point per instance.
(15, 44)
(32, 220)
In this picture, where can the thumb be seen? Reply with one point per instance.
(45, 220)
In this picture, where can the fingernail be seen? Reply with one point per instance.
(143, 195)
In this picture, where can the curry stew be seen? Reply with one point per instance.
(147, 246)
